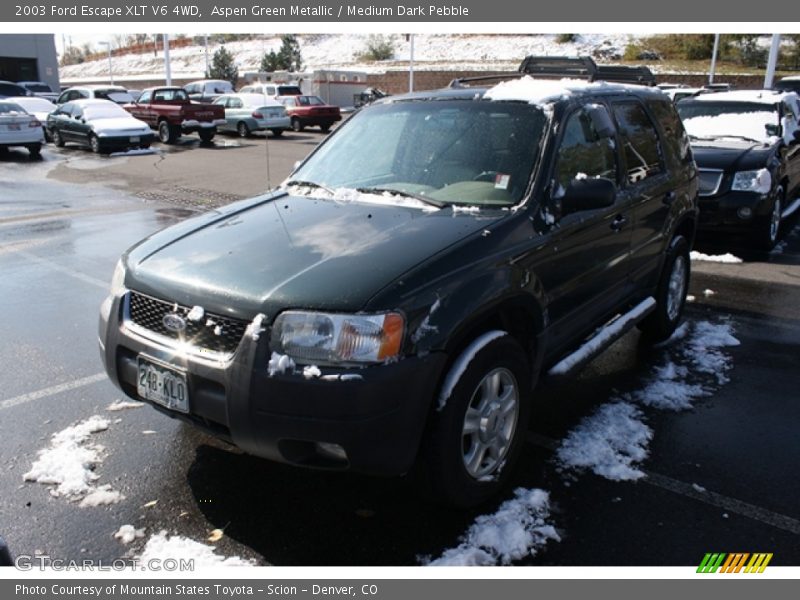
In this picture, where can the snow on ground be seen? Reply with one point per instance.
(519, 528)
(614, 440)
(720, 258)
(162, 547)
(118, 405)
(342, 51)
(70, 461)
(127, 533)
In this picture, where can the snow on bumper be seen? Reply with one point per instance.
(195, 124)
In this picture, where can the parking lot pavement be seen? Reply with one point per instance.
(718, 477)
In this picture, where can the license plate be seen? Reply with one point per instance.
(162, 384)
(13, 127)
(135, 139)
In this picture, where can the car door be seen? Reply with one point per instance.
(141, 108)
(648, 185)
(585, 273)
(790, 125)
(79, 127)
(58, 120)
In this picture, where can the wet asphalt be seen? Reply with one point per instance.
(65, 220)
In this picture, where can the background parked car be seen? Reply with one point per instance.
(39, 107)
(788, 84)
(169, 111)
(40, 89)
(101, 125)
(308, 111)
(272, 90)
(208, 90)
(18, 128)
(9, 89)
(104, 92)
(747, 147)
(246, 113)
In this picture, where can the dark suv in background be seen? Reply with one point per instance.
(390, 308)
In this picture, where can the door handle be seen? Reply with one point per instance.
(670, 197)
(618, 222)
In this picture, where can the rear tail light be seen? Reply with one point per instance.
(257, 115)
(35, 123)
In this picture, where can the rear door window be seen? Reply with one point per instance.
(675, 138)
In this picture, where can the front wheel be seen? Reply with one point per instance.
(473, 441)
(671, 293)
(242, 129)
(167, 134)
(94, 144)
(57, 139)
(770, 225)
(296, 125)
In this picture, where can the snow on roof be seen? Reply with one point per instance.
(756, 96)
(538, 91)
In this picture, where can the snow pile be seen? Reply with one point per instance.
(163, 547)
(518, 529)
(608, 442)
(615, 438)
(118, 405)
(69, 464)
(311, 372)
(280, 363)
(127, 533)
(720, 258)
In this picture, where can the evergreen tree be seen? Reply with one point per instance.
(224, 67)
(270, 62)
(289, 55)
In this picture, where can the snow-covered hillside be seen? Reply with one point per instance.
(342, 51)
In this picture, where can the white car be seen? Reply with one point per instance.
(19, 128)
(246, 113)
(39, 107)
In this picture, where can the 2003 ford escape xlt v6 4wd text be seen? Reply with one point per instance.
(390, 307)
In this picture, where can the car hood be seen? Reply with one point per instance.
(118, 124)
(282, 251)
(733, 156)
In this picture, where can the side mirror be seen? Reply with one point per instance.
(588, 194)
(601, 121)
(772, 129)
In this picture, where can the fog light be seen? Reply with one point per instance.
(331, 450)
(745, 212)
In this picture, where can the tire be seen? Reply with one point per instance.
(471, 444)
(206, 135)
(35, 150)
(671, 294)
(770, 225)
(296, 125)
(325, 128)
(242, 129)
(144, 146)
(94, 144)
(167, 134)
(57, 139)
(277, 132)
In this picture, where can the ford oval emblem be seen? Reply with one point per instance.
(174, 322)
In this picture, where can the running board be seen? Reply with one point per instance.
(791, 208)
(603, 338)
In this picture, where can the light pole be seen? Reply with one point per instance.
(110, 71)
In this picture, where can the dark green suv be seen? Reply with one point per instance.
(390, 308)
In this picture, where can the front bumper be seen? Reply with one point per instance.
(721, 212)
(377, 417)
(124, 141)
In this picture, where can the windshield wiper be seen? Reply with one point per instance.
(742, 137)
(311, 184)
(404, 194)
(722, 136)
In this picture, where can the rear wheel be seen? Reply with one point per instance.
(277, 132)
(296, 125)
(206, 135)
(242, 129)
(167, 134)
(671, 293)
(325, 127)
(35, 150)
(57, 139)
(473, 442)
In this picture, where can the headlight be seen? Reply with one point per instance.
(752, 181)
(332, 338)
(118, 279)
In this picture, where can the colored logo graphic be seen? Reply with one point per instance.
(734, 563)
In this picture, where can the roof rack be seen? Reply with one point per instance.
(584, 67)
(577, 67)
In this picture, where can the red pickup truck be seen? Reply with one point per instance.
(170, 112)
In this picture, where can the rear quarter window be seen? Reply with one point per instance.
(641, 144)
(675, 138)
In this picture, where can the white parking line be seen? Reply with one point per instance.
(56, 389)
(687, 490)
(63, 270)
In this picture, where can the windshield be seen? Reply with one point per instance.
(10, 108)
(106, 111)
(454, 151)
(39, 87)
(36, 104)
(715, 120)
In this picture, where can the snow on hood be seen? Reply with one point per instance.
(119, 124)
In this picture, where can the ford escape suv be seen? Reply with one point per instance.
(391, 306)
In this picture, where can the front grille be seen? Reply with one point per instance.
(709, 182)
(148, 312)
